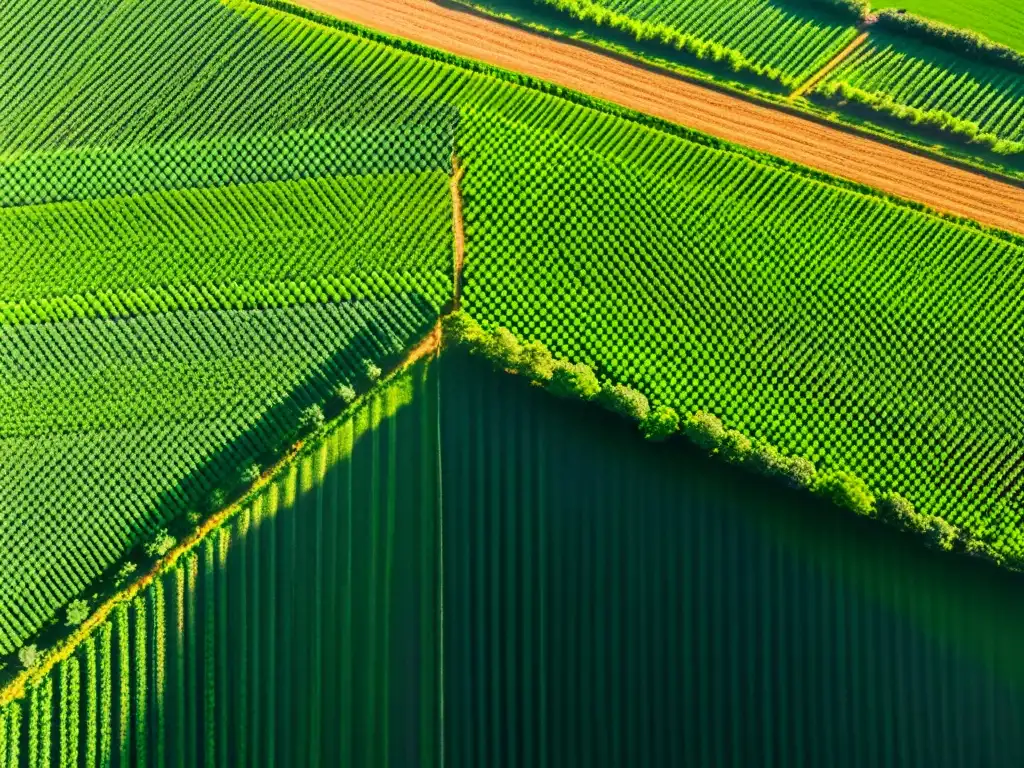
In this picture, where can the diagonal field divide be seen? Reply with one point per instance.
(939, 185)
(817, 77)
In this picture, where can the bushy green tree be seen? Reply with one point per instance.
(461, 329)
(847, 490)
(735, 447)
(344, 392)
(939, 533)
(626, 401)
(896, 510)
(78, 611)
(125, 573)
(250, 473)
(311, 419)
(705, 429)
(218, 498)
(662, 422)
(798, 471)
(29, 656)
(574, 380)
(536, 361)
(160, 544)
(504, 349)
(371, 370)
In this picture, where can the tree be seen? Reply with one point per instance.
(371, 370)
(504, 349)
(460, 328)
(798, 471)
(78, 611)
(160, 544)
(847, 490)
(705, 430)
(344, 392)
(661, 423)
(312, 419)
(895, 509)
(574, 380)
(536, 361)
(250, 473)
(626, 401)
(28, 656)
(735, 447)
(125, 573)
(940, 534)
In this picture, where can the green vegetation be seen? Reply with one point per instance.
(780, 44)
(933, 90)
(1000, 20)
(788, 308)
(222, 635)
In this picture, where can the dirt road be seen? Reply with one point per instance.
(858, 158)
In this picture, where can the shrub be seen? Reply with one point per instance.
(574, 380)
(193, 518)
(940, 534)
(371, 370)
(503, 349)
(125, 573)
(735, 447)
(895, 509)
(78, 611)
(847, 490)
(160, 544)
(705, 430)
(460, 328)
(766, 459)
(797, 471)
(662, 422)
(535, 361)
(312, 418)
(250, 473)
(218, 498)
(626, 401)
(344, 392)
(28, 656)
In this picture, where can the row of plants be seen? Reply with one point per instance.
(747, 291)
(963, 41)
(221, 390)
(785, 53)
(142, 674)
(534, 361)
(941, 123)
(349, 227)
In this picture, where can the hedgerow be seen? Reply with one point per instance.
(784, 50)
(707, 432)
(962, 41)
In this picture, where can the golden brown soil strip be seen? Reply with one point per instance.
(457, 228)
(855, 157)
(820, 75)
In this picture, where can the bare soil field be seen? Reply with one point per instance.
(858, 158)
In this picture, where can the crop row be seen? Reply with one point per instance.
(284, 230)
(114, 427)
(862, 335)
(98, 172)
(216, 660)
(117, 75)
(988, 100)
(755, 36)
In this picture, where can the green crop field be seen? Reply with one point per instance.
(782, 42)
(926, 79)
(224, 229)
(999, 20)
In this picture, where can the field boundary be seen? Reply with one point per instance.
(822, 73)
(665, 125)
(458, 230)
(19, 685)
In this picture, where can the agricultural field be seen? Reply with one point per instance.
(999, 20)
(784, 43)
(243, 522)
(941, 90)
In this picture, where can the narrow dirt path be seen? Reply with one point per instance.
(858, 158)
(822, 73)
(457, 228)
